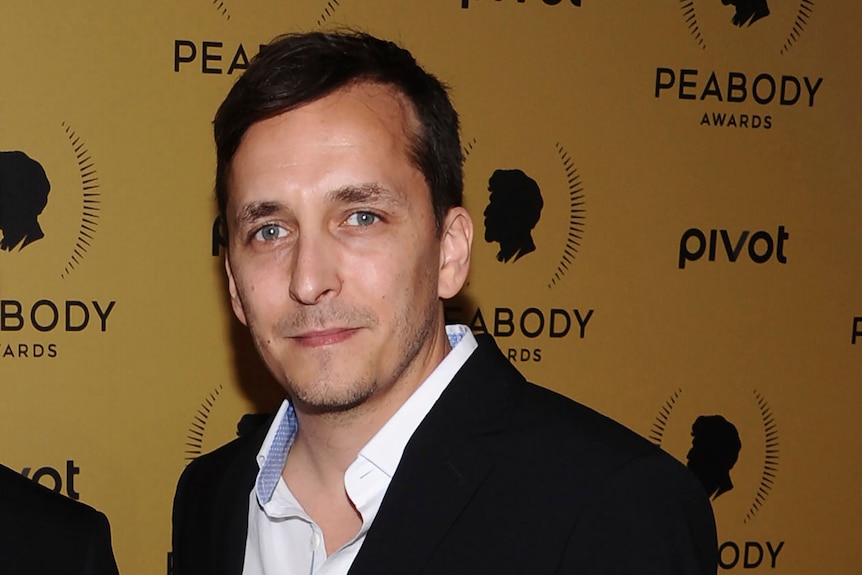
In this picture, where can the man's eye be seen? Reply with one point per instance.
(270, 232)
(362, 219)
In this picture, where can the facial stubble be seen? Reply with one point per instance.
(332, 392)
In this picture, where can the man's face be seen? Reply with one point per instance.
(334, 262)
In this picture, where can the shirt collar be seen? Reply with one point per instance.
(384, 450)
(273, 451)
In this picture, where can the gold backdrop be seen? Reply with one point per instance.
(698, 250)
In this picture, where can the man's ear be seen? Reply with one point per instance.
(456, 242)
(235, 300)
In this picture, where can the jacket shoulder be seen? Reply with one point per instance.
(43, 530)
(23, 498)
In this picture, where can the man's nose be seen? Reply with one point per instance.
(314, 276)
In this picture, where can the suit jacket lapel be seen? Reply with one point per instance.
(231, 513)
(236, 521)
(442, 466)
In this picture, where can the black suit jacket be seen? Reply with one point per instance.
(42, 532)
(502, 476)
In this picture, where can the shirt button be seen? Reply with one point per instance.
(315, 541)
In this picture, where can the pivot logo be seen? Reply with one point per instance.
(466, 3)
(55, 479)
(24, 188)
(734, 455)
(759, 246)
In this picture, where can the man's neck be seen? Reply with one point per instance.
(327, 443)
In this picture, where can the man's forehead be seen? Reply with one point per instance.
(371, 117)
(374, 103)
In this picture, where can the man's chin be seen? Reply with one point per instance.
(331, 408)
(328, 403)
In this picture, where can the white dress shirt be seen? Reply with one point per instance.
(282, 539)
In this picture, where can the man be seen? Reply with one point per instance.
(45, 532)
(405, 446)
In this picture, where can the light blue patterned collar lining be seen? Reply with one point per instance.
(273, 465)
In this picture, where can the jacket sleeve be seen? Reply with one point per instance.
(184, 535)
(100, 555)
(650, 517)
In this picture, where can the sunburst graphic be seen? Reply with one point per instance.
(469, 147)
(576, 216)
(690, 15)
(222, 8)
(656, 433)
(328, 12)
(90, 199)
(803, 15)
(770, 463)
(195, 438)
(577, 211)
(770, 459)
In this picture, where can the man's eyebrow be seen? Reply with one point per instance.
(349, 194)
(257, 210)
(364, 193)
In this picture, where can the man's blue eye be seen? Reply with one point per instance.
(269, 233)
(362, 219)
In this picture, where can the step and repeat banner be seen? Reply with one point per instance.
(668, 208)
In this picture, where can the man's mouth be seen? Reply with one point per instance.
(329, 336)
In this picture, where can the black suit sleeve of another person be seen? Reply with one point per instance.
(42, 532)
(100, 556)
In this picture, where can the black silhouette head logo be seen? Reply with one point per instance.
(24, 191)
(514, 209)
(748, 11)
(714, 450)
